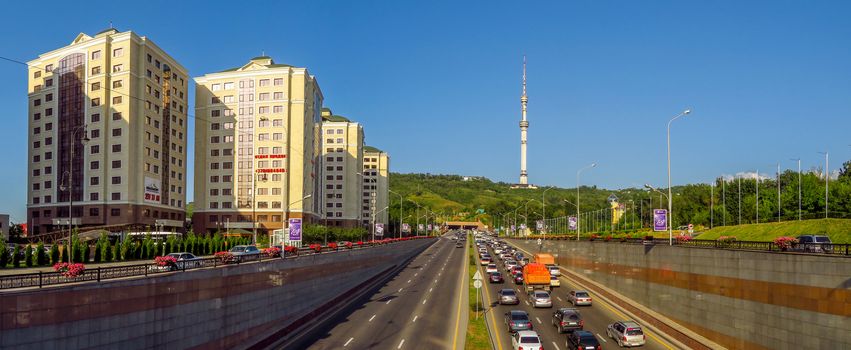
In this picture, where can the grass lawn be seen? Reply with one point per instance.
(477, 333)
(839, 230)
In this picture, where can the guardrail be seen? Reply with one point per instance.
(41, 279)
(835, 249)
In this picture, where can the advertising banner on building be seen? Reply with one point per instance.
(571, 223)
(295, 229)
(153, 194)
(379, 229)
(660, 219)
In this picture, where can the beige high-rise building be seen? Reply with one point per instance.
(342, 150)
(107, 130)
(257, 147)
(376, 168)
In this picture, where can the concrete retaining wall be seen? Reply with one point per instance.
(739, 299)
(233, 307)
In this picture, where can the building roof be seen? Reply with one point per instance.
(371, 149)
(338, 118)
(257, 60)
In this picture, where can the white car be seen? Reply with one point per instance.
(554, 271)
(554, 282)
(526, 340)
(497, 250)
(626, 333)
(491, 268)
(579, 297)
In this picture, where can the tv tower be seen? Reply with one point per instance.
(524, 125)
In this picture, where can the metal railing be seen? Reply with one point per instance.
(42, 279)
(836, 249)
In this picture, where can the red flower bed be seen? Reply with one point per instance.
(349, 245)
(163, 261)
(332, 246)
(272, 252)
(316, 247)
(784, 243)
(69, 270)
(594, 236)
(683, 238)
(226, 257)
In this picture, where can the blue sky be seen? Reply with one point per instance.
(437, 84)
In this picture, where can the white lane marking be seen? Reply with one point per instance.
(400, 344)
(400, 290)
(435, 281)
(415, 275)
(525, 301)
(409, 281)
(559, 299)
(415, 319)
(349, 341)
(424, 301)
(601, 337)
(556, 345)
(388, 301)
(370, 319)
(538, 319)
(429, 290)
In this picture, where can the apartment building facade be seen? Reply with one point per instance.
(107, 135)
(257, 147)
(342, 153)
(376, 186)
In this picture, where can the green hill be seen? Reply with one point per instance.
(839, 230)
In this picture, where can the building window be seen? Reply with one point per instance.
(94, 211)
(96, 70)
(94, 181)
(94, 149)
(116, 116)
(264, 82)
(118, 52)
(96, 86)
(117, 68)
(117, 84)
(116, 132)
(116, 196)
(116, 164)
(96, 102)
(116, 100)
(94, 165)
(115, 212)
(279, 96)
(116, 148)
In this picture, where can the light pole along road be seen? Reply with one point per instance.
(670, 211)
(578, 172)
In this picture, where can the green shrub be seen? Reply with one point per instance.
(28, 255)
(54, 254)
(40, 255)
(4, 254)
(16, 256)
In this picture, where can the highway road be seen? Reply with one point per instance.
(420, 308)
(597, 317)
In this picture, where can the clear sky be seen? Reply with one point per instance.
(437, 84)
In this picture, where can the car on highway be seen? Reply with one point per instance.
(518, 320)
(579, 297)
(485, 260)
(491, 268)
(507, 296)
(242, 253)
(814, 244)
(459, 245)
(540, 298)
(496, 277)
(518, 278)
(567, 320)
(510, 264)
(186, 260)
(497, 250)
(554, 271)
(626, 333)
(582, 340)
(526, 340)
(554, 281)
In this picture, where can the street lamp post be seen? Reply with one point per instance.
(670, 204)
(544, 210)
(799, 187)
(254, 206)
(578, 172)
(71, 185)
(826, 180)
(669, 222)
(401, 199)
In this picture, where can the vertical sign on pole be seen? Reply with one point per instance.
(660, 220)
(379, 229)
(295, 231)
(571, 223)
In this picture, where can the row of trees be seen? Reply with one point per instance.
(105, 250)
(321, 234)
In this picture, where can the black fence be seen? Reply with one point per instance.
(42, 279)
(839, 249)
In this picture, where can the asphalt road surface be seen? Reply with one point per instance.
(597, 317)
(420, 308)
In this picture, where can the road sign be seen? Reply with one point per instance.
(477, 284)
(540, 241)
(660, 219)
(478, 276)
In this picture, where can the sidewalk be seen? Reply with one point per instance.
(89, 266)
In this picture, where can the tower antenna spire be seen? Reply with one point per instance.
(524, 75)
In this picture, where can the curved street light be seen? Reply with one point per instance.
(670, 210)
(578, 172)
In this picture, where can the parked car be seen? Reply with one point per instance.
(491, 268)
(579, 297)
(186, 260)
(518, 320)
(507, 296)
(243, 253)
(554, 281)
(626, 333)
(583, 340)
(554, 271)
(526, 340)
(567, 320)
(814, 244)
(496, 277)
(540, 298)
